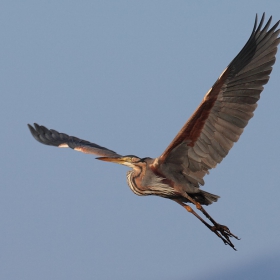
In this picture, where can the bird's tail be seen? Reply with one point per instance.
(204, 198)
(209, 197)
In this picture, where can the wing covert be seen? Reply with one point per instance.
(53, 138)
(218, 122)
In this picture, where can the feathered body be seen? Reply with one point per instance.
(145, 179)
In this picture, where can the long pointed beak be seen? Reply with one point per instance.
(119, 160)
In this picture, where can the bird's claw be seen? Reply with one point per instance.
(224, 233)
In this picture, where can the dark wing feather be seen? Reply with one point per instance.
(53, 138)
(218, 122)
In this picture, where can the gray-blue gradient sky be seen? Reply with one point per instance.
(127, 75)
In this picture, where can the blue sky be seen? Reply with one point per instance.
(127, 75)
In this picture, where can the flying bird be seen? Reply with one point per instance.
(203, 141)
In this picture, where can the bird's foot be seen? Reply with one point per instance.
(224, 233)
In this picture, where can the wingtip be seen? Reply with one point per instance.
(33, 132)
(31, 128)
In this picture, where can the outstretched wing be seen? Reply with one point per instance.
(53, 138)
(218, 122)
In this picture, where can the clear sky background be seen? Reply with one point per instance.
(127, 75)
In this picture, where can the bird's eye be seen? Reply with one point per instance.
(134, 159)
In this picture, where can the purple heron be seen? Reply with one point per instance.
(204, 140)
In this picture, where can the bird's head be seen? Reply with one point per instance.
(129, 160)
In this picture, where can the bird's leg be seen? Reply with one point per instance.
(189, 209)
(221, 231)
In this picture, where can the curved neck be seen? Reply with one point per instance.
(134, 178)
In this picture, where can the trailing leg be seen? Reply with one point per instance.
(221, 231)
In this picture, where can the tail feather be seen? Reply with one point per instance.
(205, 198)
